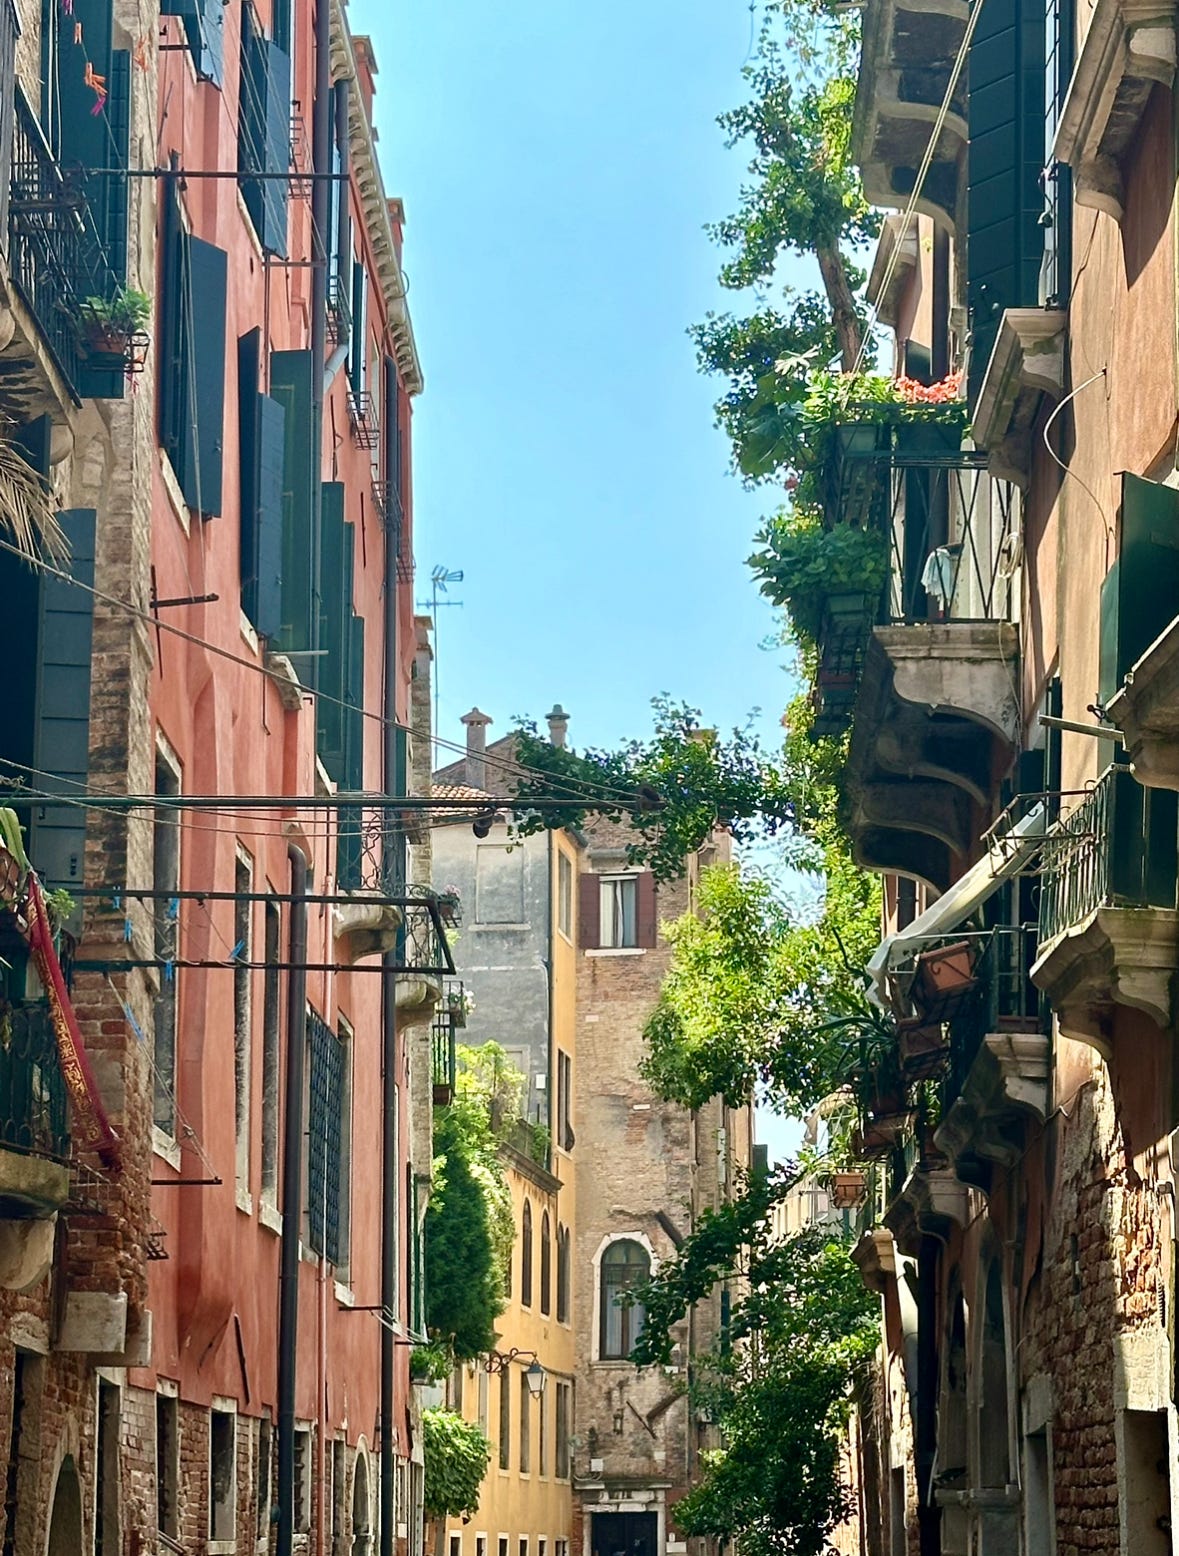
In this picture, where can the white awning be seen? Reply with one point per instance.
(1004, 858)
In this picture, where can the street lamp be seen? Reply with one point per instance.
(535, 1375)
(536, 1378)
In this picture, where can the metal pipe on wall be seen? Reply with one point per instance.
(292, 1202)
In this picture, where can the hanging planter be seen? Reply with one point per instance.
(449, 906)
(847, 1189)
(871, 1142)
(945, 978)
(112, 332)
(923, 1048)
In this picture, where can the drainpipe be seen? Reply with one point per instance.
(394, 779)
(292, 1197)
(321, 161)
(929, 1514)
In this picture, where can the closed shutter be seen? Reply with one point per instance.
(1056, 272)
(271, 452)
(264, 134)
(290, 384)
(62, 731)
(191, 338)
(350, 860)
(589, 911)
(1140, 594)
(204, 28)
(9, 28)
(1005, 160)
(646, 910)
(357, 357)
(70, 39)
(249, 416)
(335, 571)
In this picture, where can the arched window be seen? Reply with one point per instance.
(625, 1265)
(562, 1274)
(546, 1264)
(526, 1256)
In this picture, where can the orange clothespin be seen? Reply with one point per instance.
(139, 54)
(97, 85)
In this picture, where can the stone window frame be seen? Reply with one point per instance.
(596, 1357)
(225, 1407)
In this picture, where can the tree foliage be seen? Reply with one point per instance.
(672, 788)
(456, 1455)
(779, 1382)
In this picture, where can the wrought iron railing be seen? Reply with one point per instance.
(34, 1114)
(49, 247)
(339, 308)
(444, 1047)
(1114, 846)
(9, 32)
(362, 413)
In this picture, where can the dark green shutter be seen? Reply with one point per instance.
(202, 327)
(271, 464)
(77, 134)
(290, 384)
(1005, 200)
(356, 356)
(264, 133)
(249, 411)
(9, 28)
(1056, 272)
(336, 569)
(1140, 593)
(204, 28)
(105, 260)
(62, 731)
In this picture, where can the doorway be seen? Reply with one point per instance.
(625, 1534)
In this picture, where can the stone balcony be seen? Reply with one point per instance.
(1109, 907)
(1146, 710)
(909, 48)
(932, 1202)
(1026, 365)
(1129, 47)
(1005, 1087)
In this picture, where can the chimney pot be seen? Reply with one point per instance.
(476, 725)
(558, 722)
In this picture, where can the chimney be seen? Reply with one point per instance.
(476, 723)
(558, 721)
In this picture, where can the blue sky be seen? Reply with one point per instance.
(558, 162)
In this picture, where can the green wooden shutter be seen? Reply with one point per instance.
(1140, 593)
(290, 384)
(202, 328)
(349, 862)
(271, 463)
(1059, 40)
(335, 571)
(204, 28)
(1005, 200)
(357, 359)
(264, 133)
(249, 415)
(62, 730)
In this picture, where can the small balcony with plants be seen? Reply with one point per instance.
(971, 1022)
(897, 564)
(1109, 906)
(450, 1018)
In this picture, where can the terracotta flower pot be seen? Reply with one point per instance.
(870, 1144)
(847, 1189)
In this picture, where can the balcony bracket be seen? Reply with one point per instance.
(1027, 363)
(1129, 46)
(1007, 1084)
(875, 1254)
(366, 927)
(1116, 956)
(1146, 710)
(26, 1252)
(417, 996)
(932, 1201)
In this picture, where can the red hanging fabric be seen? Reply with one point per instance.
(91, 1126)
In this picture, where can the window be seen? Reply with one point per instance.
(264, 132)
(618, 910)
(564, 1392)
(546, 1265)
(222, 1476)
(505, 1420)
(562, 1274)
(327, 1141)
(166, 911)
(625, 1265)
(543, 1458)
(484, 1389)
(456, 1545)
(564, 1101)
(262, 1479)
(243, 916)
(502, 1545)
(565, 894)
(523, 1546)
(456, 1388)
(526, 1256)
(107, 1540)
(271, 1019)
(480, 1545)
(525, 1426)
(499, 884)
(339, 1502)
(167, 1465)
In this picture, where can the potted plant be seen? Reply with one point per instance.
(923, 1048)
(459, 1004)
(847, 1189)
(449, 905)
(945, 975)
(804, 563)
(110, 328)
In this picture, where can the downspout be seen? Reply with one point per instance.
(321, 160)
(292, 1206)
(394, 780)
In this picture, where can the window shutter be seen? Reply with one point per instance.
(290, 384)
(646, 910)
(264, 133)
(9, 28)
(349, 865)
(271, 441)
(357, 359)
(589, 911)
(62, 736)
(204, 28)
(69, 40)
(1140, 594)
(336, 569)
(205, 320)
(1004, 198)
(249, 417)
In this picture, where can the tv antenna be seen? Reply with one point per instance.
(440, 577)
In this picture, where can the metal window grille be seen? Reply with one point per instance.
(325, 1138)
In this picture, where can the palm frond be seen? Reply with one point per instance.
(28, 518)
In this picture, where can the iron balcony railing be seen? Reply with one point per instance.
(1113, 846)
(444, 1046)
(34, 1114)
